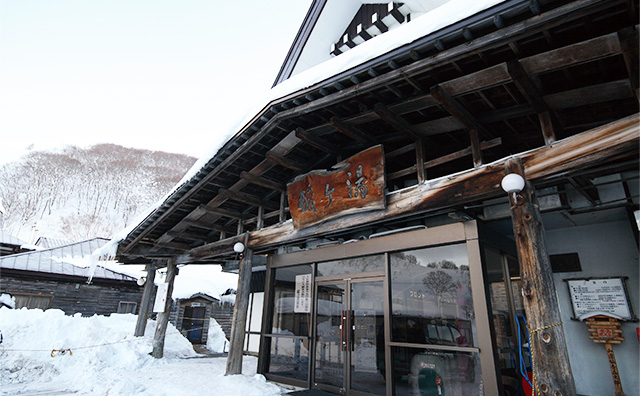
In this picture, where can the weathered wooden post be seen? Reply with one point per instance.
(234, 360)
(551, 369)
(163, 317)
(145, 304)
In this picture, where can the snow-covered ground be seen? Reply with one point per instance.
(48, 353)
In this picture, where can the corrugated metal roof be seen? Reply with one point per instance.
(63, 260)
(49, 243)
(9, 239)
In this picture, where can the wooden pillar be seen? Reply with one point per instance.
(234, 360)
(163, 317)
(147, 297)
(551, 369)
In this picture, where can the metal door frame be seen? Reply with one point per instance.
(463, 232)
(362, 277)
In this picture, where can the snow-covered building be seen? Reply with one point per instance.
(366, 191)
(57, 278)
(191, 315)
(10, 244)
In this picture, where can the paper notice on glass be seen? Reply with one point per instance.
(302, 302)
(161, 297)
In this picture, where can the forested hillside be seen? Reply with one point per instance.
(79, 193)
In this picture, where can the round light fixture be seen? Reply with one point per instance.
(512, 183)
(141, 281)
(238, 247)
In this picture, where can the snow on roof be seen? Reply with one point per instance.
(48, 243)
(72, 259)
(8, 239)
(430, 22)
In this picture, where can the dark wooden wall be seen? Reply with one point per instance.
(74, 296)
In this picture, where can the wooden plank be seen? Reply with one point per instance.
(205, 225)
(615, 140)
(586, 51)
(421, 173)
(240, 308)
(262, 181)
(354, 185)
(438, 127)
(462, 153)
(483, 79)
(552, 367)
(592, 94)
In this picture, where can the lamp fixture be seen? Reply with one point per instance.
(238, 247)
(141, 281)
(513, 183)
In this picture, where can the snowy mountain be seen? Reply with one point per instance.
(79, 193)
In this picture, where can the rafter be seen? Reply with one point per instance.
(246, 198)
(395, 121)
(286, 162)
(351, 131)
(262, 181)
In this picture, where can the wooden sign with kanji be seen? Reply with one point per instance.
(354, 185)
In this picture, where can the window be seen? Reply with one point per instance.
(32, 301)
(127, 307)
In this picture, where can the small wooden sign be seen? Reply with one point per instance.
(353, 185)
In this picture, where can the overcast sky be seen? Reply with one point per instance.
(158, 74)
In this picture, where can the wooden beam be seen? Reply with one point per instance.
(246, 198)
(223, 247)
(422, 175)
(453, 107)
(552, 370)
(172, 245)
(240, 308)
(286, 162)
(223, 212)
(548, 121)
(476, 152)
(163, 317)
(629, 43)
(147, 297)
(350, 131)
(186, 235)
(586, 189)
(395, 121)
(207, 225)
(262, 181)
(317, 142)
(599, 145)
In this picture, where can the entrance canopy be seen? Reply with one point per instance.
(521, 78)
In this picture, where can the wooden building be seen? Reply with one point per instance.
(192, 316)
(368, 194)
(49, 278)
(10, 244)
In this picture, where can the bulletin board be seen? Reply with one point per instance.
(606, 295)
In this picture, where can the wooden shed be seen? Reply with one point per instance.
(369, 194)
(51, 278)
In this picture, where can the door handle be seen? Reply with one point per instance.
(352, 328)
(343, 329)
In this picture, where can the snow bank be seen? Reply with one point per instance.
(216, 339)
(8, 300)
(102, 357)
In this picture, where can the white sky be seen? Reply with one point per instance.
(157, 74)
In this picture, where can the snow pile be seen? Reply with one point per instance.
(100, 356)
(8, 300)
(216, 339)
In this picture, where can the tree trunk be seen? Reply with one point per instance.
(163, 317)
(234, 361)
(145, 304)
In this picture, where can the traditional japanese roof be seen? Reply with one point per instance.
(71, 260)
(48, 243)
(512, 78)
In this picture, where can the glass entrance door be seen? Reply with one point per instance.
(350, 342)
